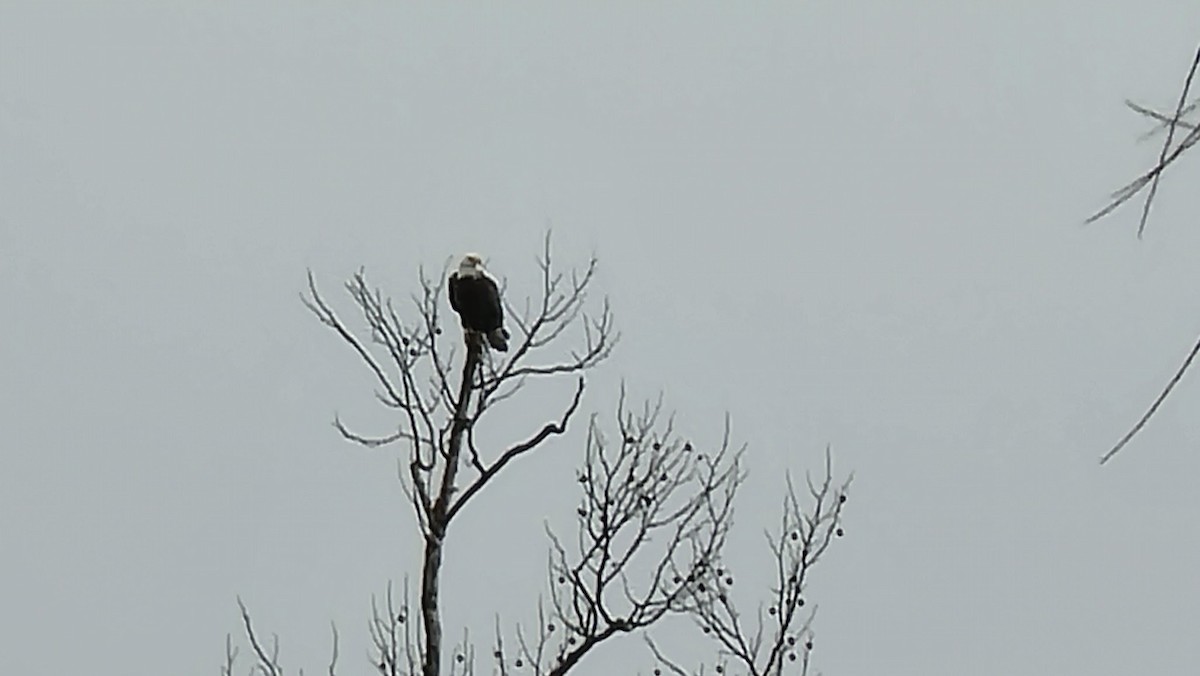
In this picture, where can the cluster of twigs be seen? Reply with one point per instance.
(398, 644)
(1171, 151)
(266, 661)
(781, 641)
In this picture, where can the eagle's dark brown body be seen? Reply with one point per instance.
(476, 298)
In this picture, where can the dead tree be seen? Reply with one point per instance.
(654, 512)
(1172, 126)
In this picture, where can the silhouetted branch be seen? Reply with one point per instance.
(663, 660)
(489, 472)
(1162, 396)
(1165, 158)
(231, 653)
(334, 656)
(267, 662)
(1167, 122)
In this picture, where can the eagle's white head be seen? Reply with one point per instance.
(471, 265)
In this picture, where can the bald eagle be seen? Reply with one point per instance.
(475, 296)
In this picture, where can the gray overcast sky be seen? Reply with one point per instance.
(854, 223)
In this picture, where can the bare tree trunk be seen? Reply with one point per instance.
(438, 518)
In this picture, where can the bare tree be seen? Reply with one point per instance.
(1171, 151)
(654, 512)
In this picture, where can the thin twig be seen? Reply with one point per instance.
(1153, 407)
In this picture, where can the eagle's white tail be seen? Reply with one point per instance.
(498, 339)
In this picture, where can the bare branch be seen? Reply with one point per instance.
(231, 653)
(1167, 122)
(663, 659)
(489, 472)
(268, 663)
(1162, 396)
(369, 442)
(1165, 158)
